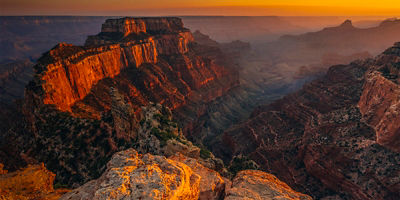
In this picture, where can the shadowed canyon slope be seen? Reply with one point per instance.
(335, 138)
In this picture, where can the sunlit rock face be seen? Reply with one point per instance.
(133, 176)
(130, 175)
(68, 78)
(163, 65)
(32, 182)
(69, 72)
(338, 137)
(254, 184)
(114, 29)
(212, 184)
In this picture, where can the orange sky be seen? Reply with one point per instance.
(201, 7)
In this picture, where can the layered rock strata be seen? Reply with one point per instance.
(335, 138)
(163, 56)
(90, 98)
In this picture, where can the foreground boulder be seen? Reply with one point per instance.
(130, 175)
(212, 185)
(254, 184)
(32, 182)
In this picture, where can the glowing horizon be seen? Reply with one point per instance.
(202, 7)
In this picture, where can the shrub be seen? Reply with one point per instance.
(204, 153)
(162, 136)
(59, 185)
(240, 163)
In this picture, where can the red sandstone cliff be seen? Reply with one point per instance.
(67, 74)
(89, 98)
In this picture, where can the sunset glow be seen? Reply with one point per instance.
(201, 7)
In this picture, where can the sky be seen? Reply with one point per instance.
(202, 7)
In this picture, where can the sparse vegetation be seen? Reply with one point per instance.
(240, 163)
(163, 136)
(59, 185)
(204, 153)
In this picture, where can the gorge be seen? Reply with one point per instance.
(146, 109)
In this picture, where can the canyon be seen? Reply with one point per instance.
(147, 101)
(336, 138)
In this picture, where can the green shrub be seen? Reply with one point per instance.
(240, 163)
(163, 136)
(204, 153)
(59, 185)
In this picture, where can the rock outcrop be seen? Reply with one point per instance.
(257, 185)
(212, 184)
(133, 176)
(335, 138)
(380, 101)
(66, 74)
(130, 175)
(90, 98)
(32, 182)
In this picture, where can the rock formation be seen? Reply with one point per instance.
(90, 98)
(212, 184)
(133, 176)
(32, 182)
(67, 73)
(253, 184)
(380, 101)
(335, 138)
(130, 175)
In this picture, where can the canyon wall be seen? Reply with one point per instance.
(336, 138)
(380, 100)
(68, 72)
(91, 98)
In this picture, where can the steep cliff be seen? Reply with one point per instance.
(335, 138)
(164, 64)
(93, 98)
(380, 100)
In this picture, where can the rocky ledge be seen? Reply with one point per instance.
(130, 175)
